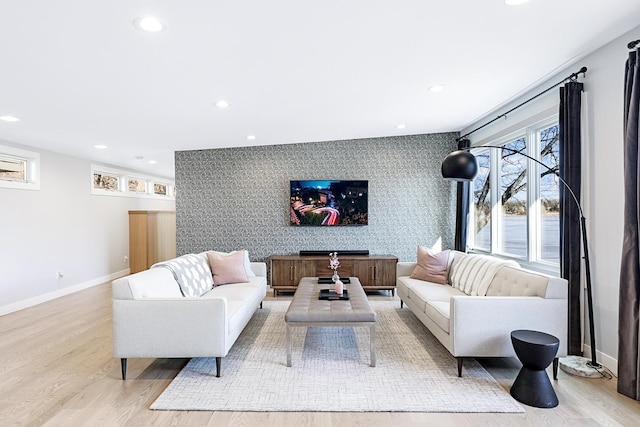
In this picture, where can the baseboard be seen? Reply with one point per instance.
(606, 360)
(20, 305)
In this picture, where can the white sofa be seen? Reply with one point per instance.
(152, 317)
(485, 299)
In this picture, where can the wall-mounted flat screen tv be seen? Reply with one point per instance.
(329, 202)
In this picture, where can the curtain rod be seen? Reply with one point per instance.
(571, 77)
(633, 44)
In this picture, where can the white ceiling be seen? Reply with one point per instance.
(78, 73)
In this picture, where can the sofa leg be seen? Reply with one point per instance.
(123, 366)
(401, 303)
(218, 366)
(555, 368)
(260, 305)
(460, 360)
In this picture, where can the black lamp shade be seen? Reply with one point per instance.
(460, 166)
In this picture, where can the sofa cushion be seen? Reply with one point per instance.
(432, 266)
(247, 262)
(155, 283)
(227, 268)
(439, 312)
(517, 282)
(472, 274)
(191, 272)
(420, 292)
(232, 293)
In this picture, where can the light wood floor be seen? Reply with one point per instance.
(56, 369)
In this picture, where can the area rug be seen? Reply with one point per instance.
(331, 372)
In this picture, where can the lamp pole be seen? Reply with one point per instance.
(461, 165)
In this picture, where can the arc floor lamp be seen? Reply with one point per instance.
(461, 165)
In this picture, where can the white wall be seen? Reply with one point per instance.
(603, 196)
(61, 227)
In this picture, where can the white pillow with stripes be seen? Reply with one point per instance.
(472, 274)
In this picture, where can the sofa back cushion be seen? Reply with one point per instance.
(517, 282)
(472, 274)
(192, 273)
(155, 283)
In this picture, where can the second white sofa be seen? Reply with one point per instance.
(177, 309)
(482, 301)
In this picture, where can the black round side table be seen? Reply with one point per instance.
(536, 350)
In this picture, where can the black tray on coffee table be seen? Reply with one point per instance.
(328, 281)
(328, 294)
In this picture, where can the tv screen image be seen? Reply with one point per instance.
(329, 202)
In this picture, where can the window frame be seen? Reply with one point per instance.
(123, 184)
(531, 133)
(32, 168)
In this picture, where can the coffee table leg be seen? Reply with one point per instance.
(288, 346)
(372, 344)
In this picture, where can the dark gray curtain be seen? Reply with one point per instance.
(570, 161)
(462, 208)
(628, 321)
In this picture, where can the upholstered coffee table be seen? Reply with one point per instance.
(306, 309)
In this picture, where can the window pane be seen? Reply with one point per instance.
(12, 169)
(137, 186)
(549, 195)
(513, 195)
(106, 182)
(160, 189)
(482, 202)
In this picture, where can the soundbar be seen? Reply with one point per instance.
(320, 253)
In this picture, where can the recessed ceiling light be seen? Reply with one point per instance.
(9, 119)
(401, 126)
(150, 24)
(222, 104)
(152, 162)
(436, 88)
(139, 158)
(251, 137)
(100, 146)
(515, 2)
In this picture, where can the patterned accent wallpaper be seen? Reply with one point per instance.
(238, 198)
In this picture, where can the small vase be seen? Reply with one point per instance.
(335, 276)
(339, 287)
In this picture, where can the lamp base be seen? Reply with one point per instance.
(581, 367)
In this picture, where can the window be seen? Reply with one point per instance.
(19, 168)
(515, 200)
(13, 169)
(137, 185)
(107, 181)
(482, 203)
(160, 189)
(550, 195)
